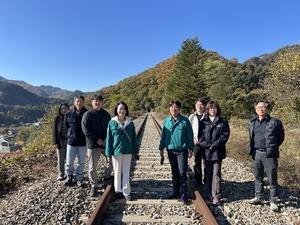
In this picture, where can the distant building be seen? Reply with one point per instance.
(6, 147)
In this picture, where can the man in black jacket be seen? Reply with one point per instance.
(76, 141)
(266, 134)
(94, 126)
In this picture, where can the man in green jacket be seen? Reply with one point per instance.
(177, 138)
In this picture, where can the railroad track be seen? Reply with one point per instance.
(151, 183)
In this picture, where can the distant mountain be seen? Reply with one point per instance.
(28, 87)
(22, 103)
(267, 59)
(18, 105)
(13, 94)
(47, 90)
(69, 98)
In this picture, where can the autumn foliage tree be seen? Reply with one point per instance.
(282, 85)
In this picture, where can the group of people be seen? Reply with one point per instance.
(205, 134)
(79, 131)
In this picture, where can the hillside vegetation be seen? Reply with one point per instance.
(21, 106)
(234, 85)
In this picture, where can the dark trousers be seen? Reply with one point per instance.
(260, 163)
(198, 161)
(61, 158)
(179, 162)
(213, 171)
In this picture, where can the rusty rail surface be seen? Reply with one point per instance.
(96, 217)
(199, 203)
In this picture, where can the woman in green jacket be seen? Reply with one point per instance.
(121, 144)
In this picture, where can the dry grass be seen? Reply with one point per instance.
(289, 161)
(26, 168)
(237, 145)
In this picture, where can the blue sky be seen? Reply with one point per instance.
(88, 45)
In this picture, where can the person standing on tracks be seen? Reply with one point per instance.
(266, 134)
(213, 138)
(177, 138)
(94, 126)
(76, 141)
(60, 138)
(195, 119)
(121, 145)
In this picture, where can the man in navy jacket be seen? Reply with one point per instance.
(266, 134)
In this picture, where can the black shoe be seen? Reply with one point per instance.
(174, 196)
(108, 178)
(216, 203)
(208, 197)
(61, 178)
(93, 191)
(68, 181)
(119, 195)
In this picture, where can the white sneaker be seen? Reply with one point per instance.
(255, 201)
(274, 207)
(128, 197)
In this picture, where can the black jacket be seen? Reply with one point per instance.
(94, 126)
(274, 136)
(214, 134)
(73, 123)
(56, 131)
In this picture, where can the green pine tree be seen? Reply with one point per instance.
(187, 82)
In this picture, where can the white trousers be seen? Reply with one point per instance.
(121, 164)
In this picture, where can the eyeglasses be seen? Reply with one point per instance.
(261, 107)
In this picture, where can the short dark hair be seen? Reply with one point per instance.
(213, 104)
(96, 96)
(78, 96)
(176, 102)
(116, 108)
(62, 104)
(200, 100)
(262, 100)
